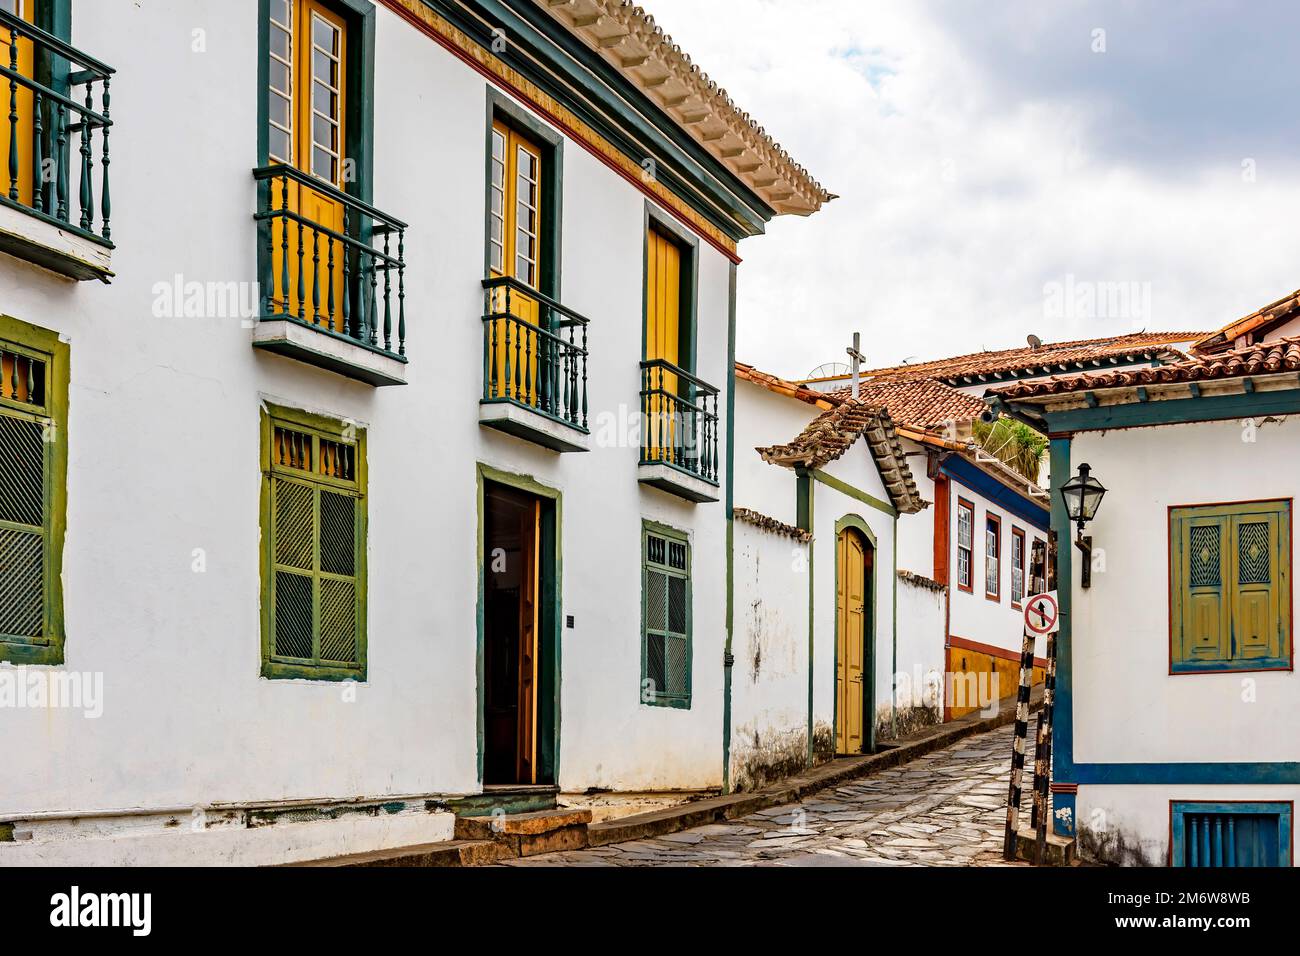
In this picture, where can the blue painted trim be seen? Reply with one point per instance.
(1063, 710)
(1178, 825)
(974, 478)
(1201, 774)
(1172, 412)
(1065, 813)
(1229, 666)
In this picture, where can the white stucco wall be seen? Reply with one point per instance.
(769, 682)
(973, 615)
(916, 532)
(163, 435)
(921, 614)
(1127, 707)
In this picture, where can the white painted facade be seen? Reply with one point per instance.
(164, 477)
(1127, 708)
(774, 593)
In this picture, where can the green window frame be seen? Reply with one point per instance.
(33, 492)
(666, 646)
(1230, 587)
(314, 520)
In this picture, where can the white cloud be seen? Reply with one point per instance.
(965, 190)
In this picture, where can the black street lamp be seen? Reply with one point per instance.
(1083, 494)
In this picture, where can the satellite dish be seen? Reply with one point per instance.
(830, 370)
(1035, 342)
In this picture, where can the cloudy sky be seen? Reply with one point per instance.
(1000, 162)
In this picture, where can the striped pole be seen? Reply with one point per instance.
(1043, 755)
(1018, 745)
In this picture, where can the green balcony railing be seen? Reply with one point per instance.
(679, 420)
(58, 101)
(341, 270)
(534, 352)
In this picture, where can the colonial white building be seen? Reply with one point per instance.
(332, 500)
(816, 635)
(1176, 687)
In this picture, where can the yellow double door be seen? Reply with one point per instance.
(23, 136)
(852, 570)
(308, 57)
(663, 342)
(515, 251)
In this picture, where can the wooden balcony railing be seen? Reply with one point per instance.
(679, 420)
(337, 269)
(534, 352)
(58, 98)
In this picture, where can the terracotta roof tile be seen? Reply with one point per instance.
(920, 403)
(759, 520)
(1275, 313)
(1281, 355)
(834, 432)
(1057, 356)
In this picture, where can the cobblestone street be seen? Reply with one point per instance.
(944, 809)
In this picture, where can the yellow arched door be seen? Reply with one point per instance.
(852, 564)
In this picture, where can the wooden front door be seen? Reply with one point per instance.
(306, 101)
(22, 60)
(512, 557)
(853, 564)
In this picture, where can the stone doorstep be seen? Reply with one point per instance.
(520, 824)
(1057, 850)
(528, 834)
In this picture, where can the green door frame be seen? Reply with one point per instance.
(859, 524)
(550, 608)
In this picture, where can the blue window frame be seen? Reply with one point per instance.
(1230, 834)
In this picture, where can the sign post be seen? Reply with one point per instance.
(1042, 615)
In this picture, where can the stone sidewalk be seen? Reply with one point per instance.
(946, 808)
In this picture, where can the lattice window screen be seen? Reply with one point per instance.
(667, 617)
(316, 549)
(24, 498)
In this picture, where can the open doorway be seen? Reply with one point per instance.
(518, 637)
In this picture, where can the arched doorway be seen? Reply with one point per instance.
(854, 624)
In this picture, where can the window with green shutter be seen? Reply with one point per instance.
(666, 617)
(314, 541)
(33, 476)
(1230, 578)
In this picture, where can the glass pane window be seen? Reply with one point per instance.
(326, 96)
(280, 91)
(526, 215)
(497, 239)
(992, 557)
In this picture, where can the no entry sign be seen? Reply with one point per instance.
(1042, 614)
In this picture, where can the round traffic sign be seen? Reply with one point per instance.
(1041, 613)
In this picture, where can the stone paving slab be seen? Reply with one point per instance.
(946, 809)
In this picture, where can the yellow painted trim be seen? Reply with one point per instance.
(552, 110)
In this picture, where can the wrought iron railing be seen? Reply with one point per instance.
(679, 420)
(534, 352)
(337, 278)
(58, 98)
